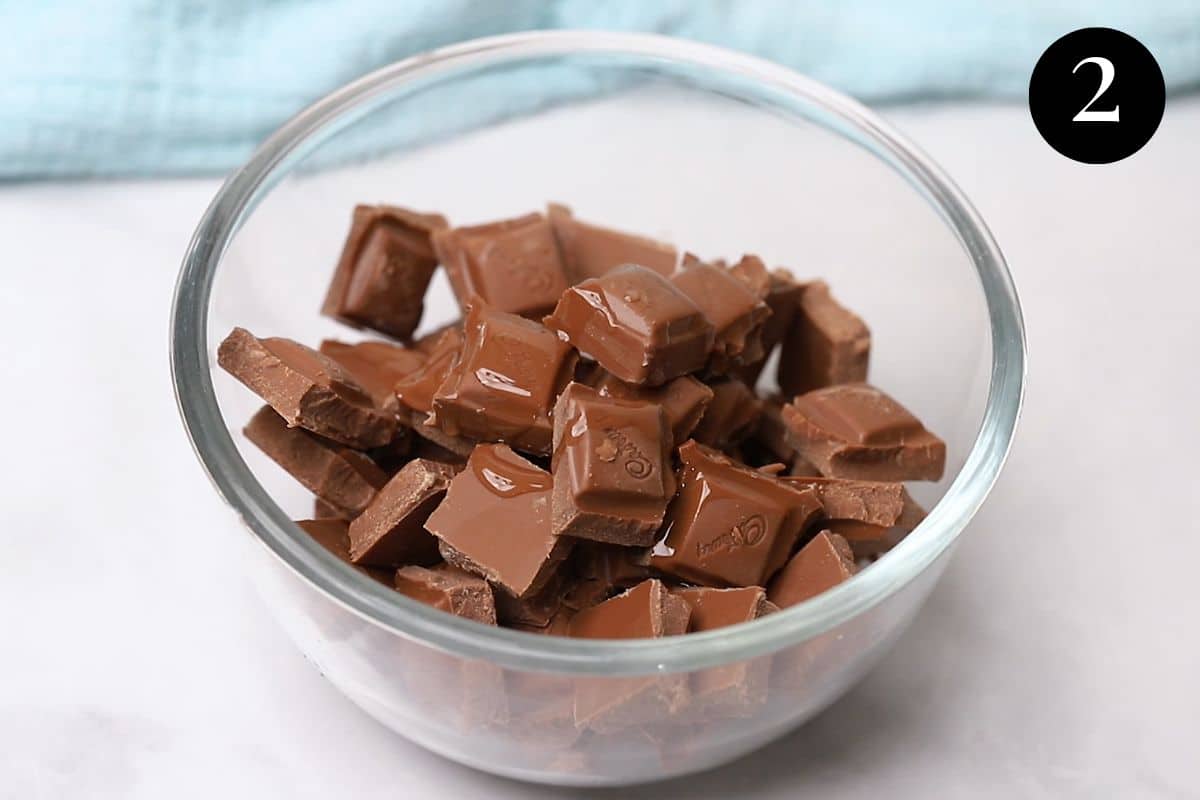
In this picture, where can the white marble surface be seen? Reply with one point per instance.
(1058, 658)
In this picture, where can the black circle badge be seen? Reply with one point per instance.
(1097, 95)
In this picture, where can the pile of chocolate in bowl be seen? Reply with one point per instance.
(584, 454)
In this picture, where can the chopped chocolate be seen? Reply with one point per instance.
(512, 265)
(873, 520)
(396, 453)
(684, 400)
(495, 521)
(557, 625)
(827, 344)
(345, 479)
(732, 415)
(599, 570)
(730, 525)
(306, 388)
(449, 589)
(645, 611)
(391, 530)
(636, 324)
(322, 510)
(385, 268)
(612, 468)
(733, 689)
(857, 431)
(416, 391)
(590, 251)
(331, 534)
(781, 292)
(820, 565)
(504, 384)
(538, 609)
(377, 366)
(736, 313)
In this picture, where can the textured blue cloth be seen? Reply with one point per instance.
(139, 87)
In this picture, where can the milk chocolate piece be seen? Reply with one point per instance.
(495, 521)
(306, 388)
(730, 525)
(599, 570)
(384, 270)
(513, 265)
(415, 392)
(645, 611)
(612, 468)
(504, 384)
(735, 312)
(345, 479)
(636, 324)
(557, 625)
(590, 251)
(683, 400)
(332, 535)
(449, 589)
(826, 344)
(391, 530)
(857, 431)
(536, 610)
(322, 510)
(780, 290)
(377, 366)
(820, 565)
(872, 522)
(734, 689)
(731, 416)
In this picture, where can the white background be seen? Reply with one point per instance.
(1058, 657)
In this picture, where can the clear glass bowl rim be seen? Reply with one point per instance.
(233, 479)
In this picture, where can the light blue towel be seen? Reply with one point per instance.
(142, 87)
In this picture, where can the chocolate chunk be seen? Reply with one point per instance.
(306, 388)
(504, 384)
(384, 270)
(449, 589)
(513, 265)
(645, 611)
(735, 689)
(322, 510)
(590, 251)
(377, 366)
(537, 610)
(735, 312)
(781, 292)
(683, 400)
(345, 479)
(332, 535)
(415, 392)
(495, 521)
(872, 516)
(557, 625)
(636, 324)
(599, 570)
(730, 525)
(826, 344)
(612, 468)
(857, 431)
(426, 448)
(732, 415)
(821, 564)
(391, 530)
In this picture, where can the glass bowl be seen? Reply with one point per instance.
(718, 152)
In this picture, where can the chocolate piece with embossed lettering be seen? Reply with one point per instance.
(820, 565)
(390, 532)
(737, 314)
(307, 389)
(495, 521)
(590, 251)
(449, 589)
(514, 265)
(826, 344)
(345, 479)
(636, 324)
(384, 270)
(730, 525)
(504, 385)
(857, 431)
(612, 468)
(683, 400)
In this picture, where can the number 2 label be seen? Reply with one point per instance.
(1107, 73)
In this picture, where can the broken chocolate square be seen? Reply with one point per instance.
(735, 312)
(683, 400)
(390, 532)
(377, 366)
(857, 431)
(826, 344)
(449, 589)
(820, 565)
(590, 251)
